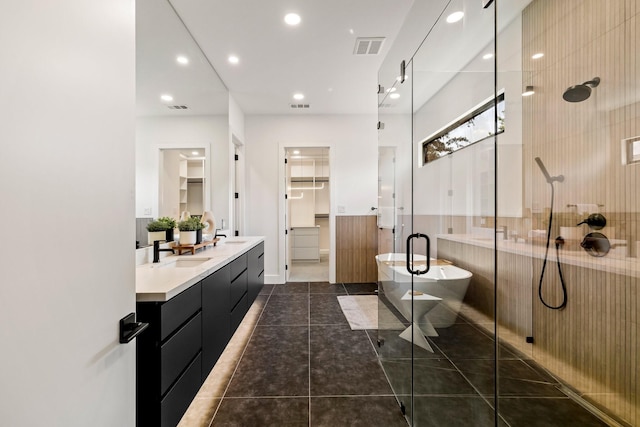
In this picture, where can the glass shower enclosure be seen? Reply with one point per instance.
(508, 217)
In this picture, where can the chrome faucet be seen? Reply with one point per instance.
(157, 250)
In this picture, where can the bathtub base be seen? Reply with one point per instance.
(415, 335)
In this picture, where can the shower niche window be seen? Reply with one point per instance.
(631, 150)
(469, 129)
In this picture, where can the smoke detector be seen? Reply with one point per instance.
(368, 45)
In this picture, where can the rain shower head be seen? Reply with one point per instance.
(550, 179)
(579, 93)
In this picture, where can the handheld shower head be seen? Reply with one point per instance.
(550, 179)
(579, 93)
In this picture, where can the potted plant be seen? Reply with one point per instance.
(171, 224)
(188, 232)
(198, 226)
(157, 230)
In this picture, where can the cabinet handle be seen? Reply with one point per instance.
(410, 253)
(129, 328)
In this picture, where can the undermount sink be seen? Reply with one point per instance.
(184, 263)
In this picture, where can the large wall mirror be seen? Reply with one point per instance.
(181, 109)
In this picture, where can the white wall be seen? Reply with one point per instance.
(236, 119)
(67, 166)
(169, 184)
(209, 132)
(354, 160)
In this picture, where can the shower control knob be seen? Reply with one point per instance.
(595, 221)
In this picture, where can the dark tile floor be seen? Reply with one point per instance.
(304, 366)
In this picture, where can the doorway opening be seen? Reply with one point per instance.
(182, 183)
(307, 214)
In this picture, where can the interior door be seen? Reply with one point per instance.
(238, 225)
(287, 215)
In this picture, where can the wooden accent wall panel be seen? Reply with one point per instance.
(594, 343)
(356, 248)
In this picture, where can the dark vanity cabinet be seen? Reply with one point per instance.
(216, 324)
(187, 335)
(255, 272)
(168, 359)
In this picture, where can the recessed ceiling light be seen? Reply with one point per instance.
(233, 59)
(455, 17)
(195, 153)
(394, 96)
(166, 97)
(182, 60)
(298, 96)
(296, 151)
(351, 31)
(292, 19)
(537, 55)
(487, 56)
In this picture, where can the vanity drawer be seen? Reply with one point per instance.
(178, 309)
(256, 254)
(176, 353)
(238, 288)
(237, 314)
(238, 265)
(178, 399)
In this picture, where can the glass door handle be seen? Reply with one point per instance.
(418, 272)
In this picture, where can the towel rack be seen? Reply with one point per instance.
(600, 205)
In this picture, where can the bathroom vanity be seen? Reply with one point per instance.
(193, 304)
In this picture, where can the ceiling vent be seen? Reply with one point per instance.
(300, 106)
(368, 45)
(177, 107)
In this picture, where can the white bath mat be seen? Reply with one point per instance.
(364, 312)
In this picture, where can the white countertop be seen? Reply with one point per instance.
(161, 281)
(611, 263)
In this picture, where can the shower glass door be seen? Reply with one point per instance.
(440, 354)
(514, 145)
(395, 311)
(457, 114)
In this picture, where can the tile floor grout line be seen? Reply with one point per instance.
(309, 346)
(241, 356)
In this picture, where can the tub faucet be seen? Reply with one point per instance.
(505, 233)
(157, 250)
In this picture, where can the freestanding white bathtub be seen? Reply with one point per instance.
(444, 281)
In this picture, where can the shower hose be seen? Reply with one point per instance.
(559, 242)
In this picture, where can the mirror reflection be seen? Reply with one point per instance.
(181, 183)
(181, 109)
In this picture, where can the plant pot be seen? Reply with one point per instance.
(169, 235)
(155, 235)
(198, 237)
(187, 237)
